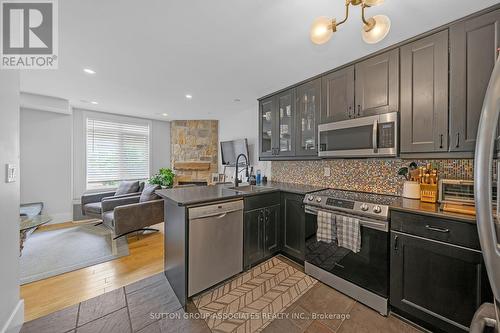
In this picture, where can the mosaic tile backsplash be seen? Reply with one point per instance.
(367, 175)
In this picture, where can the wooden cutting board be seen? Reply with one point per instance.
(459, 208)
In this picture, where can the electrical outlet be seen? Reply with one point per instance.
(327, 172)
(11, 173)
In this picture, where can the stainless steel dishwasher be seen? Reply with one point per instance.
(215, 244)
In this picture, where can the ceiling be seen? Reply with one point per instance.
(149, 54)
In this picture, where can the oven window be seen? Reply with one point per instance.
(360, 137)
(368, 268)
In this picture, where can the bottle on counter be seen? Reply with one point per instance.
(251, 179)
(258, 177)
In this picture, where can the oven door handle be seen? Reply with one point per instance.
(310, 210)
(375, 136)
(366, 222)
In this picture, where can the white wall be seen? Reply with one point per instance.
(160, 145)
(11, 307)
(239, 126)
(46, 158)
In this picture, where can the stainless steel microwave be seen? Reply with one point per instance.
(373, 136)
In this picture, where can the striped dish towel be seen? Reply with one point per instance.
(326, 227)
(348, 233)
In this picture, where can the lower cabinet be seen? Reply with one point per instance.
(253, 241)
(293, 220)
(261, 228)
(436, 284)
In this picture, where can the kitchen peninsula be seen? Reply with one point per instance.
(215, 232)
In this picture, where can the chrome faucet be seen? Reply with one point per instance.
(236, 180)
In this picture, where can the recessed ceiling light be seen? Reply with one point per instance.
(188, 96)
(89, 71)
(94, 102)
(164, 114)
(236, 100)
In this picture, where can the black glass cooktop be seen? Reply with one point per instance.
(379, 199)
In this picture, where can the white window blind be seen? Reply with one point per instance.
(116, 151)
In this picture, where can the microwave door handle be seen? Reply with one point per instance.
(375, 136)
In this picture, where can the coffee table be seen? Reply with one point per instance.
(28, 225)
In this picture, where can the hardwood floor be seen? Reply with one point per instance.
(58, 292)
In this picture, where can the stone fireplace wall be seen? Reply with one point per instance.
(194, 141)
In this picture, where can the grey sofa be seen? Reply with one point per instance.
(92, 202)
(134, 213)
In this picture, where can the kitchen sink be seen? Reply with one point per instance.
(250, 189)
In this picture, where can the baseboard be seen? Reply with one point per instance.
(16, 319)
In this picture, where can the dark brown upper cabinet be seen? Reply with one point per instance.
(377, 84)
(424, 95)
(474, 47)
(267, 127)
(277, 125)
(306, 126)
(286, 123)
(337, 95)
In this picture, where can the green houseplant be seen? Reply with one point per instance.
(164, 178)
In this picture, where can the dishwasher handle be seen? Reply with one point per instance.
(215, 210)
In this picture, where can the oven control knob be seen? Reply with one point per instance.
(377, 209)
(364, 207)
(318, 199)
(310, 198)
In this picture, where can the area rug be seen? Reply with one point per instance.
(252, 300)
(53, 252)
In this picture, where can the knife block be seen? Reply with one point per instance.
(429, 193)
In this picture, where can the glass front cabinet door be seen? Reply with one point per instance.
(308, 108)
(267, 119)
(286, 120)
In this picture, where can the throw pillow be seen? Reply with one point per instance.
(149, 194)
(127, 187)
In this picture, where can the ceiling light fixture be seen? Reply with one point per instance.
(164, 114)
(89, 71)
(188, 96)
(94, 102)
(374, 29)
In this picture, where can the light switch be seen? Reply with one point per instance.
(11, 173)
(327, 172)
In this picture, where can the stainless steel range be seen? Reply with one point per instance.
(364, 275)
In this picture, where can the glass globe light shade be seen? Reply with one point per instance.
(379, 30)
(321, 30)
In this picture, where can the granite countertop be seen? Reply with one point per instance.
(187, 196)
(431, 209)
(294, 188)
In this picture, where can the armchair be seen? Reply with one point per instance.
(135, 213)
(92, 202)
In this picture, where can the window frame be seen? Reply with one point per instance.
(116, 119)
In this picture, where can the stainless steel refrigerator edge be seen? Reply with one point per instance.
(488, 314)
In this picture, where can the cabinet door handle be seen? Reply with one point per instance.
(396, 241)
(359, 110)
(443, 230)
(441, 141)
(349, 112)
(458, 140)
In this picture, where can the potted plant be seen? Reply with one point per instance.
(164, 178)
(411, 188)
